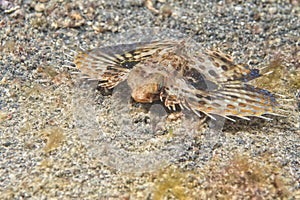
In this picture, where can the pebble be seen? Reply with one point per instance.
(272, 10)
(39, 7)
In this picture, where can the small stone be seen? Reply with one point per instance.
(166, 10)
(40, 7)
(3, 81)
(238, 8)
(272, 10)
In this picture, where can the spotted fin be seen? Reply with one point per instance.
(227, 70)
(111, 65)
(234, 99)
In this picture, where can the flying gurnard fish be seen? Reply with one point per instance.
(207, 82)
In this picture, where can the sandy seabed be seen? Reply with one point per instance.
(50, 146)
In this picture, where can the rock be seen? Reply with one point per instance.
(39, 7)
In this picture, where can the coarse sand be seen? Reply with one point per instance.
(62, 139)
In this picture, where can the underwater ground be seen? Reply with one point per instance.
(63, 138)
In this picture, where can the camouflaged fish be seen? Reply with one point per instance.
(206, 82)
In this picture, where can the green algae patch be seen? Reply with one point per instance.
(242, 177)
(245, 177)
(275, 73)
(55, 137)
(171, 183)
